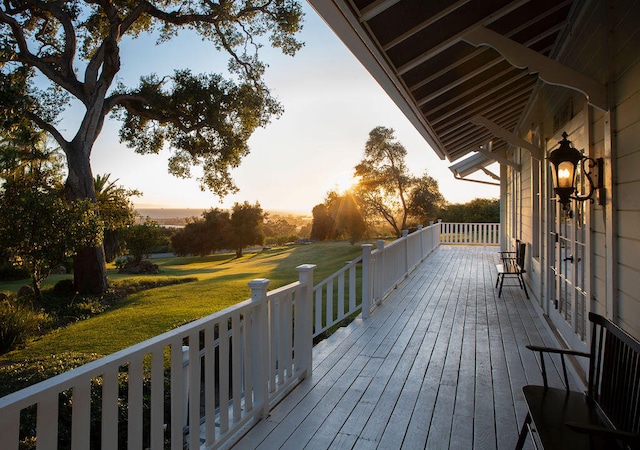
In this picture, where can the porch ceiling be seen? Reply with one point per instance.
(454, 92)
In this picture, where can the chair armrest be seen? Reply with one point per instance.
(561, 352)
(627, 438)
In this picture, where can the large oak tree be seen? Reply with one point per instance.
(385, 182)
(205, 119)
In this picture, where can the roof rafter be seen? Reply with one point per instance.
(376, 8)
(444, 45)
(508, 136)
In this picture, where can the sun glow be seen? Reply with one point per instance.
(342, 182)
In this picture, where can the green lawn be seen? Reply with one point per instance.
(221, 282)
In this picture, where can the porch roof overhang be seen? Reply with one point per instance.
(472, 164)
(464, 72)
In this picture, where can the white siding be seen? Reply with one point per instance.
(618, 61)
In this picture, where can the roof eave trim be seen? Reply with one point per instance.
(347, 27)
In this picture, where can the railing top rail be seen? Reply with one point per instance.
(340, 271)
(397, 241)
(282, 289)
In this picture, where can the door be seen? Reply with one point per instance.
(568, 254)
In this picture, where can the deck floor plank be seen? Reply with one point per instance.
(439, 364)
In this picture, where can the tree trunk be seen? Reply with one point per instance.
(89, 265)
(90, 271)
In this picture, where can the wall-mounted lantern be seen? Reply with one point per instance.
(565, 160)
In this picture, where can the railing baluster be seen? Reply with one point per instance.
(10, 429)
(318, 309)
(210, 385)
(194, 389)
(236, 367)
(329, 304)
(352, 288)
(223, 358)
(47, 432)
(274, 343)
(341, 295)
(135, 410)
(281, 330)
(157, 397)
(110, 408)
(81, 414)
(179, 402)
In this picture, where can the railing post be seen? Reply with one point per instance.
(366, 280)
(303, 333)
(382, 271)
(405, 233)
(421, 234)
(260, 327)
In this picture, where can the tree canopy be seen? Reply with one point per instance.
(52, 52)
(387, 189)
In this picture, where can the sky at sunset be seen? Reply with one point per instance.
(330, 101)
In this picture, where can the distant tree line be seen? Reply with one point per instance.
(479, 210)
(219, 230)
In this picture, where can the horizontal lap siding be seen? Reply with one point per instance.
(627, 142)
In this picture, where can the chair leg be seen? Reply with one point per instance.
(524, 286)
(498, 280)
(522, 437)
(501, 283)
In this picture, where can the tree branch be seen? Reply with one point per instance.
(64, 75)
(49, 128)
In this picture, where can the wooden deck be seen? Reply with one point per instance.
(440, 364)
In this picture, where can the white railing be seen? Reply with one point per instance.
(370, 277)
(336, 298)
(242, 360)
(390, 265)
(470, 233)
(216, 375)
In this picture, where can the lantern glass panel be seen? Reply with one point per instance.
(566, 171)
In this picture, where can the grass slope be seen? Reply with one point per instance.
(222, 281)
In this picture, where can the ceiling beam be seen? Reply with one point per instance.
(548, 70)
(451, 41)
(517, 83)
(508, 136)
(375, 8)
(511, 102)
(499, 158)
(478, 87)
(421, 26)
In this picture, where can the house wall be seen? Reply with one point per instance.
(615, 227)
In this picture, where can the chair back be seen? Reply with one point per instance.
(521, 248)
(614, 373)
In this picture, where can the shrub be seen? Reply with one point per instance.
(18, 322)
(10, 272)
(64, 287)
